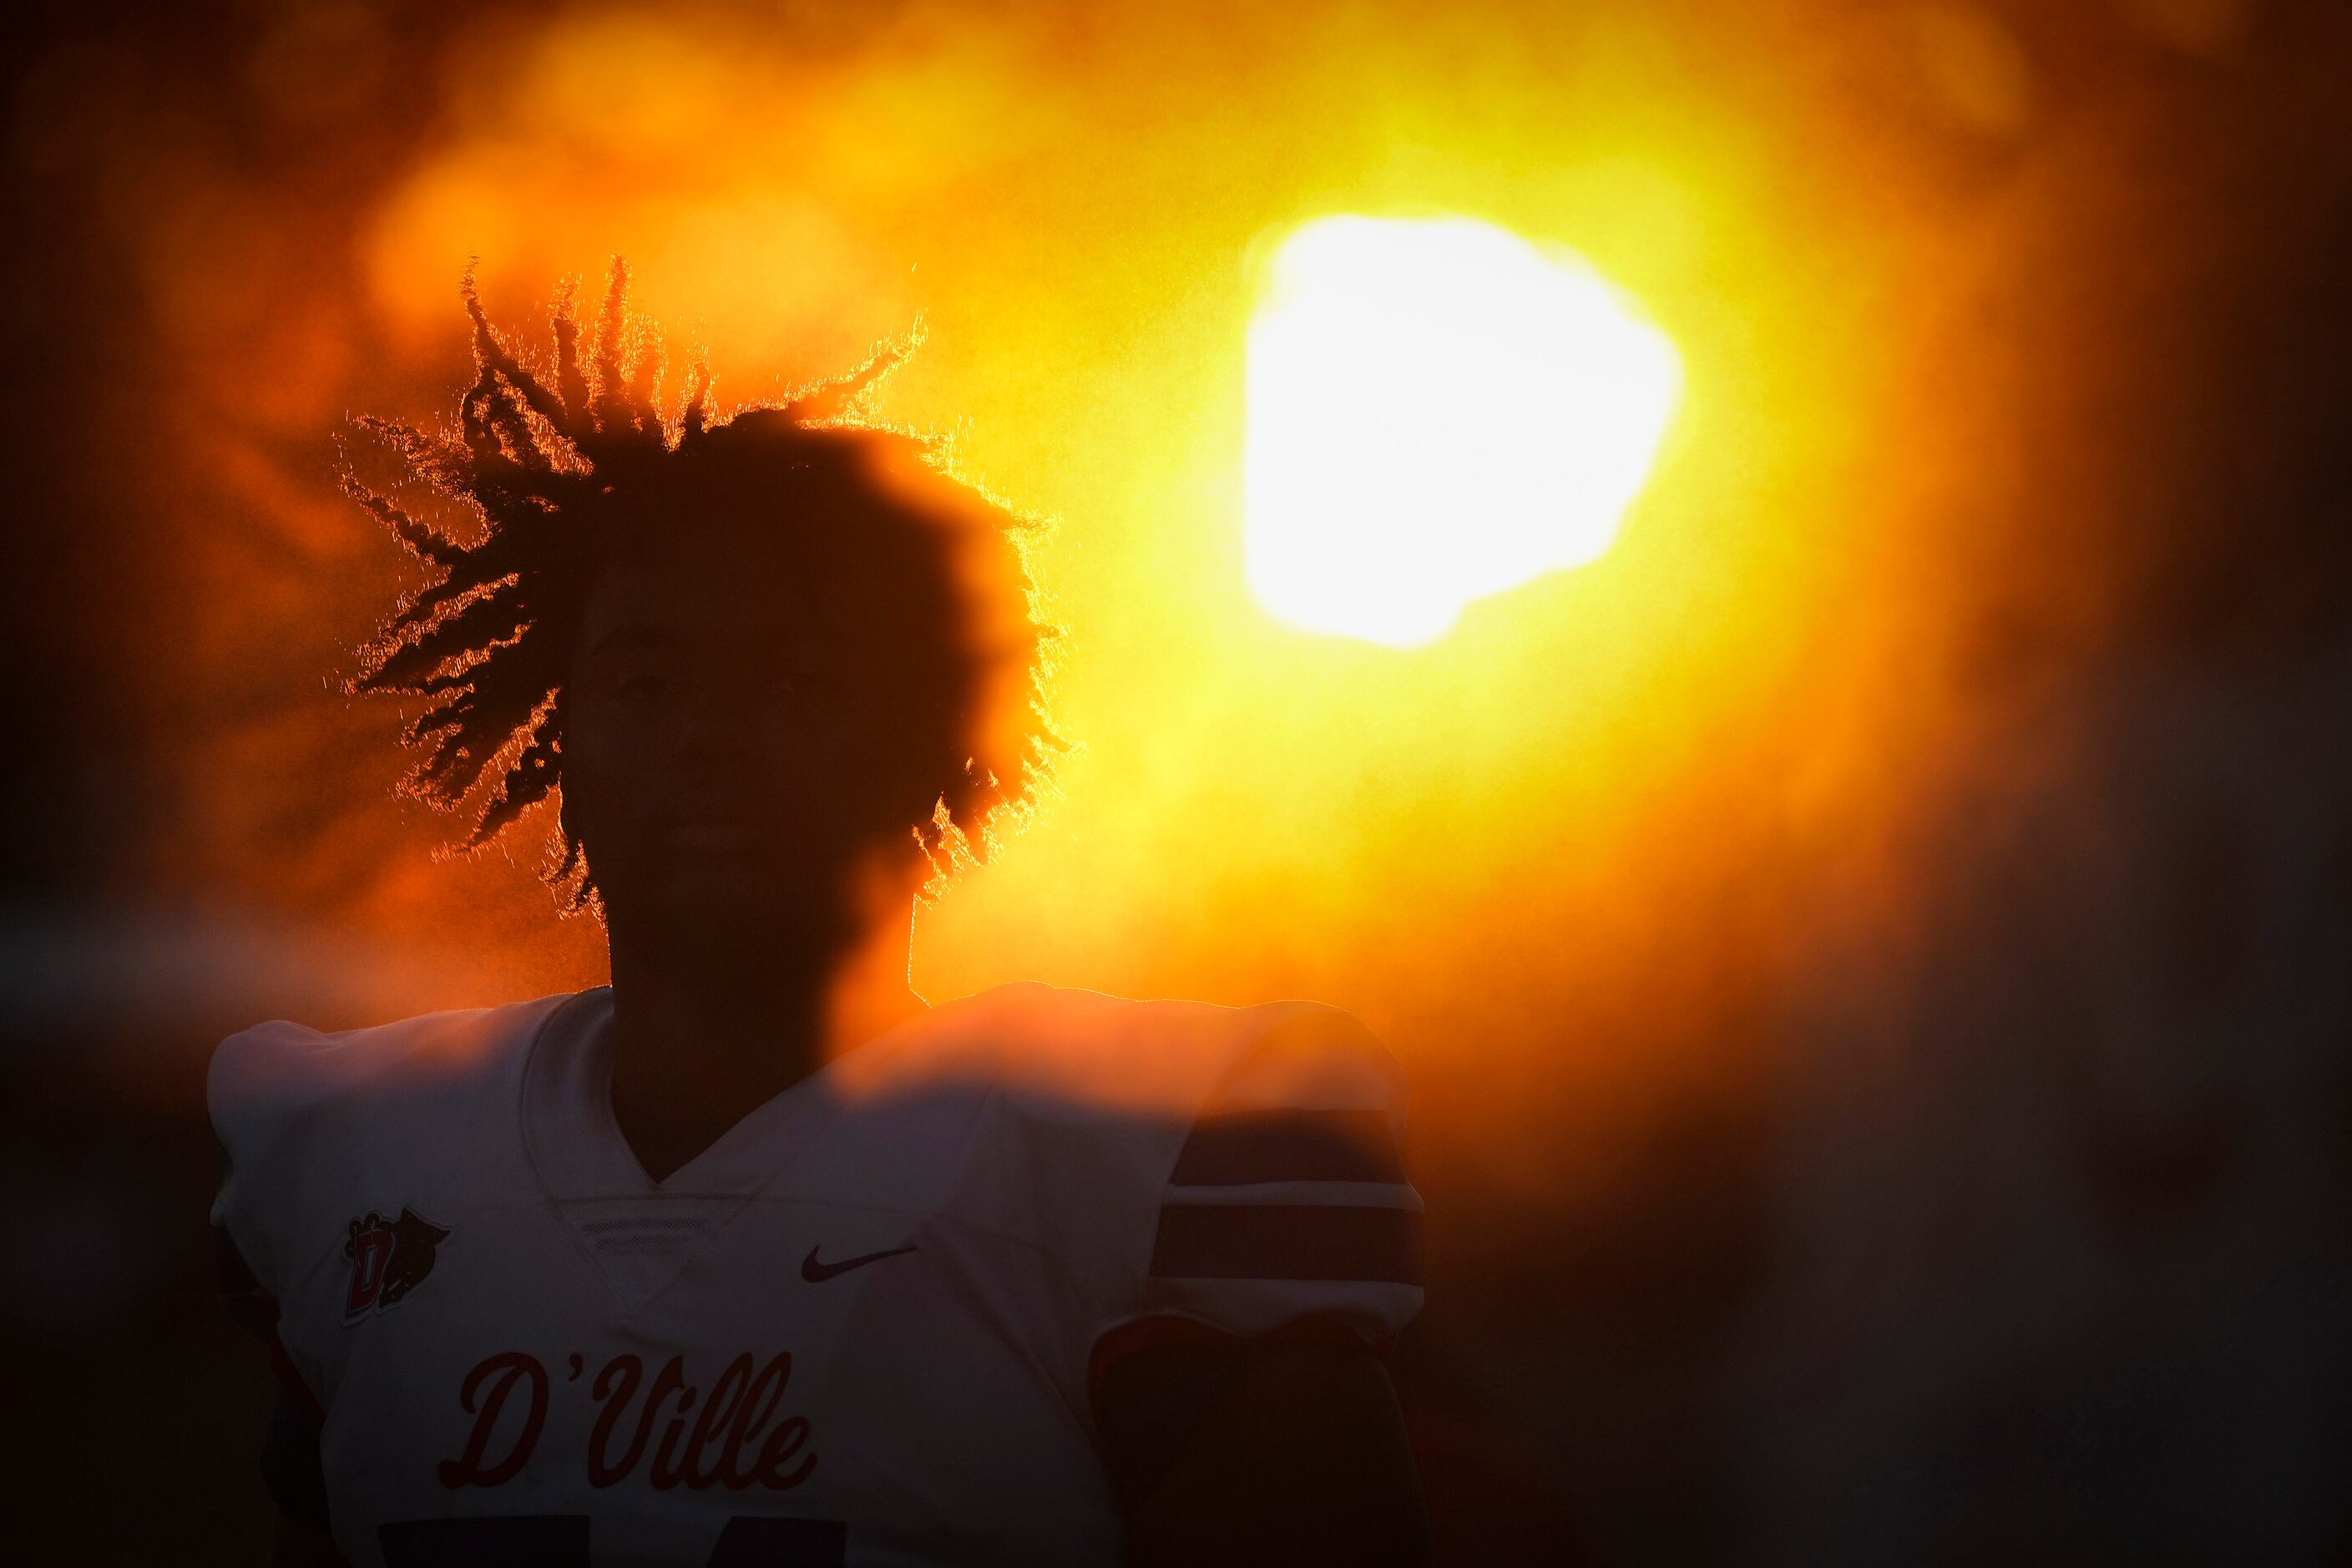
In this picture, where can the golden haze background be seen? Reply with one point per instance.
(1558, 853)
(1982, 309)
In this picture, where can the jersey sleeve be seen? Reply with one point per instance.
(246, 1121)
(247, 1093)
(244, 1092)
(1287, 1199)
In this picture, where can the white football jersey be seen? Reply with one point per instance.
(858, 1329)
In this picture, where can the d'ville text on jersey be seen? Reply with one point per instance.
(714, 1445)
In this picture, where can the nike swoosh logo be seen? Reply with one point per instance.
(817, 1273)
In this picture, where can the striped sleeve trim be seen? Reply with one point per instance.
(1288, 1242)
(1246, 1148)
(1336, 1195)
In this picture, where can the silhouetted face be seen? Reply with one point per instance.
(735, 751)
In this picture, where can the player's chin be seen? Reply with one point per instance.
(721, 893)
(716, 882)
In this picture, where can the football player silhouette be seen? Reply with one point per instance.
(752, 1256)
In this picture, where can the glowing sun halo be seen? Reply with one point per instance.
(1438, 410)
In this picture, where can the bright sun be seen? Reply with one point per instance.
(1438, 410)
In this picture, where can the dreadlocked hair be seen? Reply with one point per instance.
(558, 464)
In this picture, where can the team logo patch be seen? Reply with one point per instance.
(390, 1257)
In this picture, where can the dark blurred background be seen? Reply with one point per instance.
(1873, 954)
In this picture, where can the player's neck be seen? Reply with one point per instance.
(703, 1037)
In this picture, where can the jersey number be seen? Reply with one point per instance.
(560, 1541)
